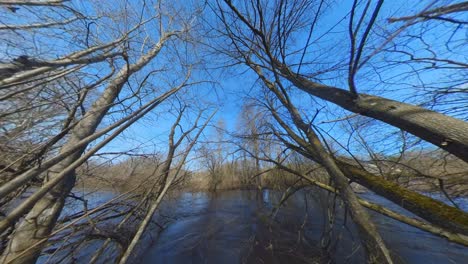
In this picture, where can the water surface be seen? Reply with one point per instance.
(311, 227)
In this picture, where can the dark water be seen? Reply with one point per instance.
(239, 227)
(311, 227)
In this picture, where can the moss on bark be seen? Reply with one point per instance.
(423, 206)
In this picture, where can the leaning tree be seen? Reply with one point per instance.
(74, 76)
(346, 60)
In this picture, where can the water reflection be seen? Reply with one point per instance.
(311, 227)
(241, 227)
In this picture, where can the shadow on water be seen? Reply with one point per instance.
(311, 227)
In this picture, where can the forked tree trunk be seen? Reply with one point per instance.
(39, 222)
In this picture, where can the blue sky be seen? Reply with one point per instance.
(229, 91)
(227, 94)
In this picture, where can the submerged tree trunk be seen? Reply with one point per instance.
(41, 219)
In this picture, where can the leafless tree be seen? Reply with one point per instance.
(265, 35)
(126, 86)
(167, 179)
(268, 31)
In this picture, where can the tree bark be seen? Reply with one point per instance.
(39, 222)
(433, 211)
(428, 227)
(446, 132)
(376, 250)
(373, 243)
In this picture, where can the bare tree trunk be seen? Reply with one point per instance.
(39, 222)
(377, 251)
(167, 179)
(433, 211)
(443, 131)
(436, 230)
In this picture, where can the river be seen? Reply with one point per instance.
(239, 227)
(236, 227)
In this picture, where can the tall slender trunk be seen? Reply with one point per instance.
(39, 222)
(256, 149)
(376, 250)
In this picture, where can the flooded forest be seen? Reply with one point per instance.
(233, 131)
